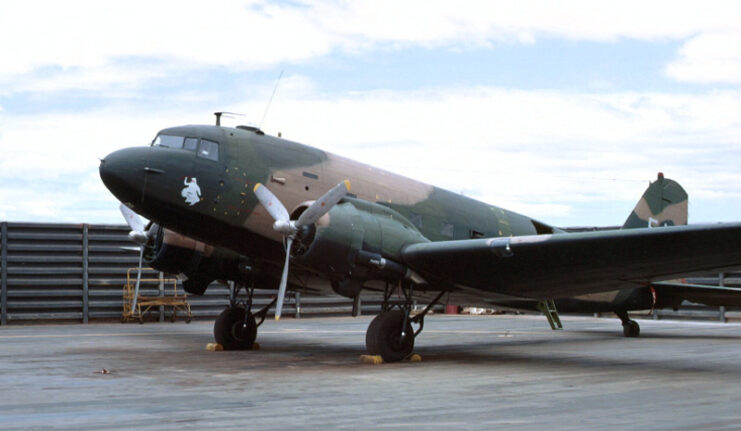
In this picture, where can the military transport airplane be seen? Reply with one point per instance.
(237, 204)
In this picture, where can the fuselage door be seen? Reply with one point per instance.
(217, 165)
(213, 179)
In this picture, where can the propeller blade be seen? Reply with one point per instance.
(271, 203)
(138, 234)
(325, 203)
(283, 279)
(285, 225)
(132, 219)
(138, 280)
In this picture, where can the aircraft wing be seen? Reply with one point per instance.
(560, 265)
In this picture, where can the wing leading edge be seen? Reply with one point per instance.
(552, 266)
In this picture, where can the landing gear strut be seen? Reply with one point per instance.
(630, 327)
(390, 334)
(236, 326)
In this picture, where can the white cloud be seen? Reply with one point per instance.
(88, 39)
(439, 22)
(709, 58)
(90, 34)
(126, 76)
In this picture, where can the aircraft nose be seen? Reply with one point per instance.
(122, 173)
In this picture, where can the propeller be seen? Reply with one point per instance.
(139, 235)
(289, 228)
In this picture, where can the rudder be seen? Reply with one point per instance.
(664, 203)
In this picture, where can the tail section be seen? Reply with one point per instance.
(663, 204)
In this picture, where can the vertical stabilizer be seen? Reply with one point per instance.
(663, 204)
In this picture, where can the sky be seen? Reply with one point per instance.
(563, 111)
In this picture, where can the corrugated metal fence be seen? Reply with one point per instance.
(77, 272)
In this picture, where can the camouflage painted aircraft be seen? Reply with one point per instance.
(663, 204)
(237, 204)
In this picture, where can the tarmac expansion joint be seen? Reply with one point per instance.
(378, 360)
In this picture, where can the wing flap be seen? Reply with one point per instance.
(559, 265)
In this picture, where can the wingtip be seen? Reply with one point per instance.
(277, 318)
(257, 186)
(347, 185)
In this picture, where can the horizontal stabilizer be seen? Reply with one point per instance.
(703, 294)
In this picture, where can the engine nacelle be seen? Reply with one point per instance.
(356, 240)
(197, 263)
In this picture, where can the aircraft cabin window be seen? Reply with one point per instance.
(168, 141)
(208, 150)
(190, 144)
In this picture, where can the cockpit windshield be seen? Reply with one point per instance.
(202, 147)
(168, 141)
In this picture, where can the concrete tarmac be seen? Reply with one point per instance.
(477, 372)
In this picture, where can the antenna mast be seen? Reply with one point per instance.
(271, 99)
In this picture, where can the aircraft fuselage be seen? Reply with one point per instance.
(209, 196)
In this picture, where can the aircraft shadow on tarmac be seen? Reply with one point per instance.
(542, 358)
(658, 353)
(296, 351)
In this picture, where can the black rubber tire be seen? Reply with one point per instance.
(230, 332)
(384, 337)
(631, 329)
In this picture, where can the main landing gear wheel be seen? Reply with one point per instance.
(631, 329)
(384, 336)
(233, 332)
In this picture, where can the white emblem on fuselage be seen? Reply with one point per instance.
(191, 192)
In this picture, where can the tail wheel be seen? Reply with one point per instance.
(384, 336)
(631, 329)
(233, 332)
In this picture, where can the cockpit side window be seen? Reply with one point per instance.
(190, 144)
(168, 141)
(208, 150)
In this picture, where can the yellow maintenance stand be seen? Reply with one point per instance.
(136, 309)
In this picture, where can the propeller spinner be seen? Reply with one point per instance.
(289, 228)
